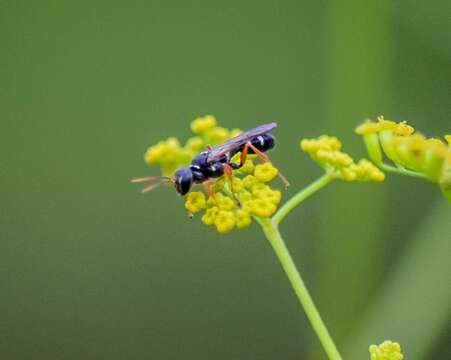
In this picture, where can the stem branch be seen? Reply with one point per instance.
(301, 196)
(401, 171)
(272, 233)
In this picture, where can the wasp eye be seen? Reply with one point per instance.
(183, 179)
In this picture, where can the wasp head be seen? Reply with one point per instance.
(183, 180)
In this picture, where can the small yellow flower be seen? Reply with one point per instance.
(210, 215)
(369, 172)
(247, 168)
(265, 172)
(224, 202)
(195, 144)
(202, 124)
(386, 351)
(237, 184)
(262, 208)
(243, 219)
(195, 202)
(250, 181)
(164, 151)
(268, 194)
(382, 131)
(168, 154)
(225, 221)
(217, 135)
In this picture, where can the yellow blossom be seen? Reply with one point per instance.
(386, 351)
(237, 184)
(168, 154)
(195, 144)
(262, 208)
(202, 124)
(195, 202)
(217, 135)
(250, 181)
(225, 221)
(243, 219)
(167, 150)
(210, 215)
(448, 139)
(265, 172)
(247, 168)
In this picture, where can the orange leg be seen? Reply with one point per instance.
(228, 171)
(208, 186)
(264, 158)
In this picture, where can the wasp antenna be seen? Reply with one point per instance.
(142, 179)
(151, 187)
(168, 180)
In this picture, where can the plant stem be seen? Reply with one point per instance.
(401, 171)
(301, 196)
(271, 231)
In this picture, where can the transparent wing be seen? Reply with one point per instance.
(237, 141)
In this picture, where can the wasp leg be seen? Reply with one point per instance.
(208, 187)
(228, 171)
(264, 158)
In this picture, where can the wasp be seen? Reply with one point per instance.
(217, 161)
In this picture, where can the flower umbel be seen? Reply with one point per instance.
(386, 351)
(232, 203)
(412, 153)
(326, 151)
(251, 197)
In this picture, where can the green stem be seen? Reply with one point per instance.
(271, 231)
(301, 196)
(401, 171)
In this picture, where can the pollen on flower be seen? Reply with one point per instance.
(388, 350)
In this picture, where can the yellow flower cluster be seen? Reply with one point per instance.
(429, 157)
(386, 351)
(233, 205)
(326, 151)
(169, 154)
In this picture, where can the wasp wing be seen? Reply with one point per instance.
(238, 141)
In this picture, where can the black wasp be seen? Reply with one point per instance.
(217, 161)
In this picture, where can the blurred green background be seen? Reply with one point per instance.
(92, 269)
